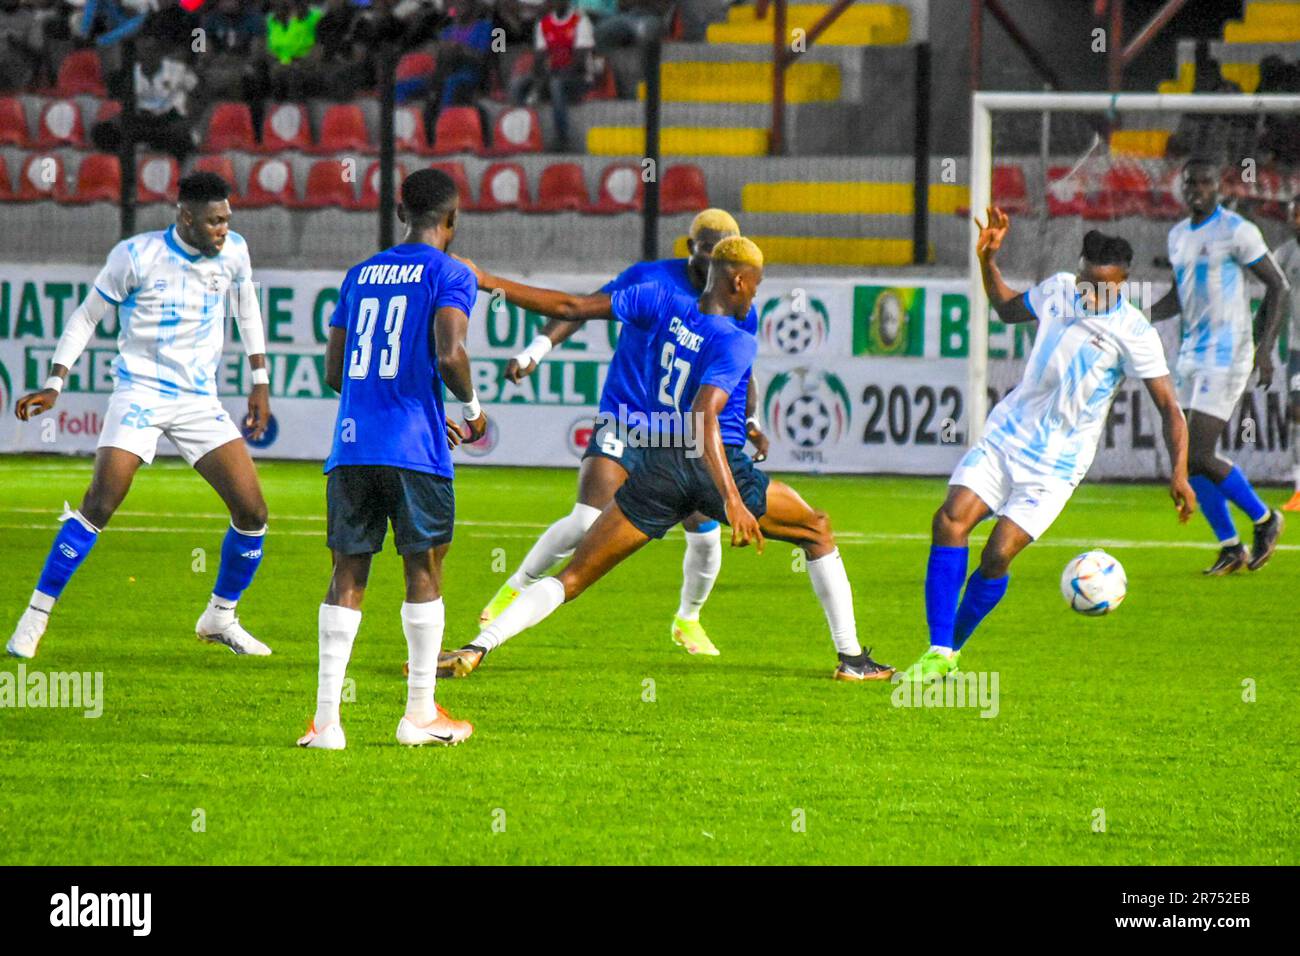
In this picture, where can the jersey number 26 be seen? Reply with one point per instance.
(389, 356)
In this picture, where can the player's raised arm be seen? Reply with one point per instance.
(708, 405)
(1174, 426)
(1276, 305)
(449, 328)
(564, 306)
(1006, 301)
(248, 318)
(76, 335)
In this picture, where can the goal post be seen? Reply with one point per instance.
(1113, 106)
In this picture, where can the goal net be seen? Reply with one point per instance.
(1061, 164)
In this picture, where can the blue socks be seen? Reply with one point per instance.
(71, 545)
(1214, 497)
(982, 596)
(706, 527)
(943, 577)
(1238, 490)
(241, 553)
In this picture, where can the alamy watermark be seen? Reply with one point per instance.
(76, 690)
(973, 689)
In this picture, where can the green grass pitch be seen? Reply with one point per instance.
(1139, 716)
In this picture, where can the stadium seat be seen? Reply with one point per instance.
(343, 129)
(683, 190)
(457, 173)
(13, 122)
(43, 177)
(156, 179)
(286, 127)
(504, 186)
(1010, 193)
(621, 189)
(231, 127)
(459, 130)
(370, 186)
(1064, 196)
(414, 65)
(561, 188)
(1125, 191)
(517, 130)
(223, 167)
(107, 110)
(270, 183)
(60, 125)
(6, 187)
(80, 73)
(409, 134)
(99, 179)
(329, 184)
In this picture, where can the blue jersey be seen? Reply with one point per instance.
(390, 412)
(631, 380)
(686, 349)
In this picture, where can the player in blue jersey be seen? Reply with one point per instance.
(694, 461)
(1040, 439)
(1211, 253)
(610, 456)
(173, 292)
(396, 336)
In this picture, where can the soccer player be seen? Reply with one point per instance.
(1288, 261)
(173, 291)
(696, 462)
(396, 335)
(1040, 439)
(1210, 252)
(609, 457)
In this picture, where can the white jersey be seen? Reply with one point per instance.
(1288, 261)
(1052, 421)
(172, 306)
(1209, 263)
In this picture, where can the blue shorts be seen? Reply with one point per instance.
(670, 486)
(606, 442)
(361, 500)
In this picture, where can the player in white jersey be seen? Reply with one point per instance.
(1211, 252)
(173, 291)
(1041, 438)
(1288, 260)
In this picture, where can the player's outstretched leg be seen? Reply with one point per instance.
(80, 529)
(337, 623)
(229, 470)
(700, 567)
(789, 518)
(611, 539)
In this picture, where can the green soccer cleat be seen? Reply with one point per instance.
(500, 601)
(690, 635)
(932, 666)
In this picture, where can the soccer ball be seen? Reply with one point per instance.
(807, 421)
(795, 332)
(1094, 583)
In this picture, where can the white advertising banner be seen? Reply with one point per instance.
(854, 376)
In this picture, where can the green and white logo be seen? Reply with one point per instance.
(888, 320)
(807, 408)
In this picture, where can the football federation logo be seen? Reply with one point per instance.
(888, 320)
(794, 323)
(807, 408)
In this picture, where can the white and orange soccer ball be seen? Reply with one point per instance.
(1094, 583)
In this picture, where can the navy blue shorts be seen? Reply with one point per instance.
(670, 486)
(606, 442)
(362, 499)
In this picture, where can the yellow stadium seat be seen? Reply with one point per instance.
(679, 141)
(696, 82)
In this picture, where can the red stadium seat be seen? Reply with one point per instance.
(605, 87)
(370, 186)
(108, 109)
(270, 183)
(459, 130)
(414, 65)
(457, 173)
(1064, 196)
(409, 135)
(99, 179)
(504, 186)
(343, 129)
(329, 183)
(13, 123)
(1125, 191)
(286, 127)
(621, 189)
(1010, 193)
(1166, 196)
(81, 73)
(6, 188)
(231, 127)
(60, 125)
(43, 177)
(517, 130)
(561, 188)
(683, 190)
(223, 167)
(156, 179)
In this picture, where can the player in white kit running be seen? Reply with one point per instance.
(173, 291)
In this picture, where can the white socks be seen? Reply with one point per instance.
(556, 542)
(338, 629)
(221, 611)
(700, 569)
(422, 624)
(530, 608)
(830, 583)
(42, 602)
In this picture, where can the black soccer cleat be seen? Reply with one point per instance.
(1266, 534)
(1231, 558)
(862, 668)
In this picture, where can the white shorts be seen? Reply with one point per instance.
(135, 419)
(1012, 489)
(1214, 392)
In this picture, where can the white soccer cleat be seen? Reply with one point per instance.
(232, 635)
(445, 730)
(27, 635)
(331, 738)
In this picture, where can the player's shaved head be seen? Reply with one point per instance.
(735, 270)
(736, 251)
(203, 211)
(718, 220)
(1201, 185)
(429, 199)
